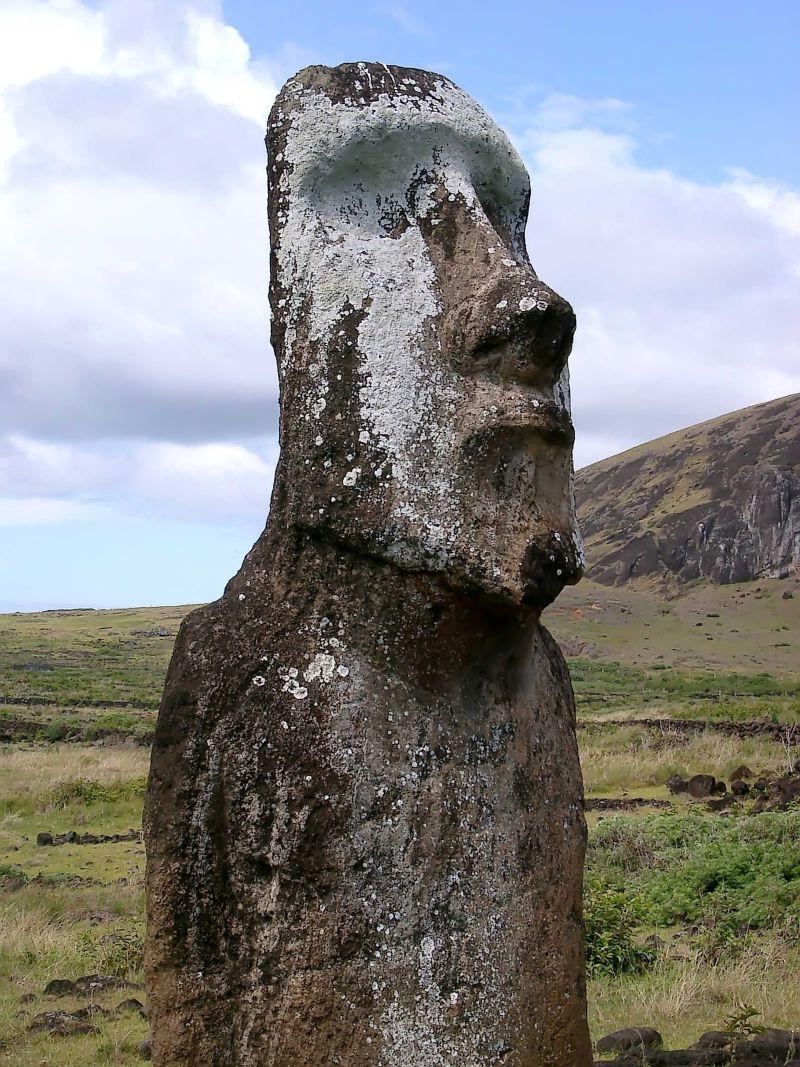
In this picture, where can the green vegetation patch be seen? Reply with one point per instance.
(722, 877)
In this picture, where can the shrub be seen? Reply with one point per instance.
(120, 952)
(87, 791)
(610, 919)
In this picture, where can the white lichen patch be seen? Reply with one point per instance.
(322, 667)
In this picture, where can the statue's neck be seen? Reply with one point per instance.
(409, 625)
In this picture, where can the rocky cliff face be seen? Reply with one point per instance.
(720, 500)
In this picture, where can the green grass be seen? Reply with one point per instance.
(83, 657)
(69, 910)
(608, 687)
(691, 916)
(728, 876)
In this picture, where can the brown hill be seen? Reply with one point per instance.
(719, 500)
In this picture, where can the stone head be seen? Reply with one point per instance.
(422, 363)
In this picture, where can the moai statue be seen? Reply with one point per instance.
(364, 817)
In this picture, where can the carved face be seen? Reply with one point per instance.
(424, 392)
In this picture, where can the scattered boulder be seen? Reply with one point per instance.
(739, 787)
(715, 1048)
(60, 987)
(72, 837)
(701, 786)
(628, 1038)
(91, 984)
(145, 1049)
(788, 787)
(132, 1004)
(715, 1039)
(676, 784)
(62, 1023)
(779, 1044)
(742, 771)
(623, 803)
(86, 986)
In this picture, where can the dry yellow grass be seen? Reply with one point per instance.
(684, 997)
(34, 770)
(634, 757)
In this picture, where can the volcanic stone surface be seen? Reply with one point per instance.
(720, 501)
(364, 817)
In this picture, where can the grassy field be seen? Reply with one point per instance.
(692, 916)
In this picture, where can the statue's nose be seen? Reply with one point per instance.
(499, 317)
(512, 325)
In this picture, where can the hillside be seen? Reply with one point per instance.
(719, 500)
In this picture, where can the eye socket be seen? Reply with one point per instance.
(500, 214)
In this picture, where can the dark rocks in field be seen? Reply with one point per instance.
(740, 788)
(91, 984)
(719, 1039)
(676, 784)
(59, 987)
(713, 1049)
(787, 787)
(62, 1024)
(74, 838)
(629, 1037)
(132, 1005)
(777, 794)
(741, 772)
(69, 1023)
(787, 594)
(680, 1058)
(145, 1049)
(771, 1046)
(623, 803)
(364, 818)
(85, 986)
(701, 786)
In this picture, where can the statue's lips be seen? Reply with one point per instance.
(536, 416)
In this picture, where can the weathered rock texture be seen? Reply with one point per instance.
(364, 821)
(720, 500)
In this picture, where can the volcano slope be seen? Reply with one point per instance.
(719, 500)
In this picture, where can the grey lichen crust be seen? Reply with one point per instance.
(364, 816)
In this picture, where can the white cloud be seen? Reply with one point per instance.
(134, 367)
(686, 294)
(216, 482)
(133, 214)
(220, 482)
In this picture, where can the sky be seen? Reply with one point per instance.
(138, 396)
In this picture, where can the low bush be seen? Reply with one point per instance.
(722, 878)
(610, 918)
(87, 791)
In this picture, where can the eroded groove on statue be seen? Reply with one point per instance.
(364, 817)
